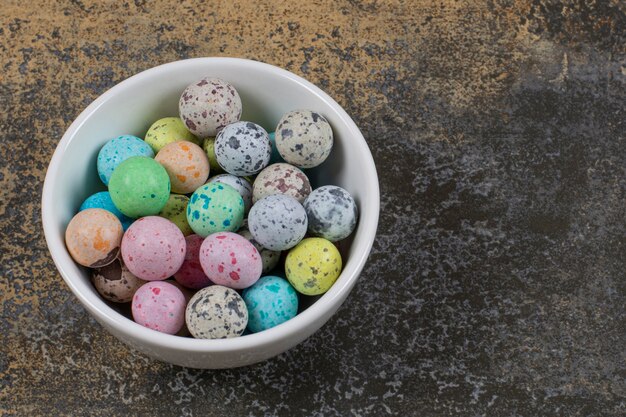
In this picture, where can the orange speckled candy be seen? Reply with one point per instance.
(93, 237)
(186, 164)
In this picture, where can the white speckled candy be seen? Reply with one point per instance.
(243, 148)
(332, 213)
(277, 222)
(115, 282)
(159, 306)
(304, 138)
(238, 183)
(231, 260)
(216, 312)
(208, 105)
(281, 178)
(269, 257)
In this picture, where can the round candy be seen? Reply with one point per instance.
(270, 302)
(215, 207)
(168, 130)
(269, 258)
(191, 274)
(153, 248)
(208, 105)
(186, 164)
(93, 237)
(238, 183)
(332, 213)
(175, 211)
(230, 260)
(304, 138)
(115, 282)
(243, 148)
(103, 200)
(139, 187)
(116, 151)
(209, 148)
(216, 312)
(281, 178)
(275, 158)
(159, 306)
(313, 266)
(277, 222)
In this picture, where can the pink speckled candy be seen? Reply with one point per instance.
(159, 306)
(153, 248)
(191, 274)
(230, 260)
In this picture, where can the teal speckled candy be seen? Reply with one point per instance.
(215, 207)
(270, 301)
(116, 151)
(103, 200)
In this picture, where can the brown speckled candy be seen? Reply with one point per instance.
(281, 178)
(93, 237)
(216, 312)
(304, 138)
(114, 282)
(208, 105)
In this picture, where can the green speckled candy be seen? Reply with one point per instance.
(139, 187)
(168, 130)
(174, 211)
(215, 207)
(209, 147)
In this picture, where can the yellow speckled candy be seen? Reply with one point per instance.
(175, 211)
(186, 164)
(313, 266)
(209, 148)
(168, 130)
(93, 237)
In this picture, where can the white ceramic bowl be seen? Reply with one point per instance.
(129, 108)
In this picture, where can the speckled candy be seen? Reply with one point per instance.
(216, 312)
(277, 222)
(175, 210)
(243, 148)
(270, 302)
(332, 213)
(215, 207)
(153, 248)
(159, 306)
(168, 130)
(116, 151)
(269, 257)
(114, 282)
(209, 148)
(275, 157)
(139, 187)
(103, 201)
(230, 260)
(281, 178)
(240, 184)
(191, 274)
(304, 138)
(208, 105)
(313, 266)
(93, 237)
(186, 164)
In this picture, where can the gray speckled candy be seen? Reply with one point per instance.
(216, 312)
(243, 148)
(208, 105)
(331, 212)
(304, 138)
(269, 257)
(281, 178)
(277, 222)
(238, 183)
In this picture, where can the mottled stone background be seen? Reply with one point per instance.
(496, 285)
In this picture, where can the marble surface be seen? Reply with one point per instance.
(496, 285)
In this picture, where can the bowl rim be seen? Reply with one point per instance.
(321, 307)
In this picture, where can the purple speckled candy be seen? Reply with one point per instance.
(159, 306)
(191, 274)
(208, 105)
(230, 260)
(153, 248)
(243, 148)
(281, 178)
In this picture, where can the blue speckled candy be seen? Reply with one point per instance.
(275, 157)
(277, 222)
(270, 301)
(332, 213)
(102, 200)
(116, 151)
(243, 148)
(215, 207)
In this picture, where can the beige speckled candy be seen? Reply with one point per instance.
(304, 138)
(93, 237)
(115, 282)
(186, 164)
(281, 178)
